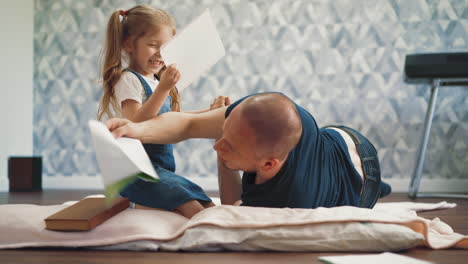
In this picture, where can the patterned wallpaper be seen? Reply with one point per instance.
(342, 60)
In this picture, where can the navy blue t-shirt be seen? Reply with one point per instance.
(318, 172)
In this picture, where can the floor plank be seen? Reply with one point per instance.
(457, 218)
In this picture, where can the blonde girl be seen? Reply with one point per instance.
(141, 91)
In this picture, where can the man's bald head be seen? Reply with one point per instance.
(275, 122)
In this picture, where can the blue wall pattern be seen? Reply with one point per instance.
(342, 60)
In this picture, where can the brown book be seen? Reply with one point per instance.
(85, 214)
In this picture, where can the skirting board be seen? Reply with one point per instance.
(211, 184)
(4, 184)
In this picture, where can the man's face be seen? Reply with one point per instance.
(236, 148)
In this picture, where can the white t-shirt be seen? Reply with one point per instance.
(130, 87)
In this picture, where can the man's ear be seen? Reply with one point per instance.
(269, 164)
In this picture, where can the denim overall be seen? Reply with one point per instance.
(172, 190)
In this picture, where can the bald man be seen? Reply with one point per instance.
(287, 161)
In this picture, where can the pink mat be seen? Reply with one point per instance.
(239, 227)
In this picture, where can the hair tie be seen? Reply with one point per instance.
(123, 12)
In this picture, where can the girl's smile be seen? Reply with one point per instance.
(145, 56)
(156, 63)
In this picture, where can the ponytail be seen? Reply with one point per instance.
(134, 23)
(174, 93)
(112, 64)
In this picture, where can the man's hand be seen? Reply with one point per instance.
(171, 127)
(219, 102)
(122, 128)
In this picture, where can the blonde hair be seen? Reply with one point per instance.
(135, 24)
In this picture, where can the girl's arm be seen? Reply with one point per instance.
(136, 112)
(218, 102)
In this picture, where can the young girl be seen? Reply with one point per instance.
(141, 91)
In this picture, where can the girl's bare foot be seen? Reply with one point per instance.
(187, 209)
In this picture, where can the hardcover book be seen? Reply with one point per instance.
(85, 215)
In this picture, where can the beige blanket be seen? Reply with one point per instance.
(385, 228)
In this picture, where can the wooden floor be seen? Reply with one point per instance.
(457, 218)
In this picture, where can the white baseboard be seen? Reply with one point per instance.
(431, 185)
(211, 184)
(4, 184)
(95, 182)
(86, 182)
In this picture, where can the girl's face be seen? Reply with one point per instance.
(145, 56)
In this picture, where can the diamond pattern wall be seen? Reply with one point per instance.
(342, 60)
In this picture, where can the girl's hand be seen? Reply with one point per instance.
(219, 102)
(169, 77)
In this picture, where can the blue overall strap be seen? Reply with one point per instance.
(146, 86)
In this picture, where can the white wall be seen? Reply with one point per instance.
(16, 82)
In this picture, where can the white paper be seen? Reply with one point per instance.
(195, 49)
(118, 158)
(384, 258)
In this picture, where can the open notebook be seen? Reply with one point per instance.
(120, 160)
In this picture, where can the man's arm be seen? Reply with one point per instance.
(229, 183)
(171, 127)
